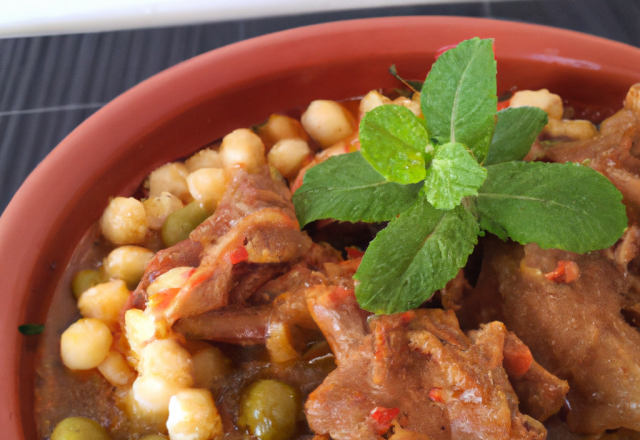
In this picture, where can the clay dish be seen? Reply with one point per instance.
(187, 106)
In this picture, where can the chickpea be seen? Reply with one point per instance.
(159, 208)
(206, 158)
(85, 344)
(372, 100)
(124, 221)
(171, 178)
(141, 329)
(269, 410)
(411, 104)
(207, 186)
(166, 359)
(104, 302)
(209, 364)
(632, 101)
(127, 263)
(151, 396)
(244, 148)
(573, 129)
(79, 428)
(115, 369)
(327, 122)
(85, 280)
(193, 416)
(549, 102)
(288, 156)
(280, 127)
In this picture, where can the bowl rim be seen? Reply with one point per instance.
(19, 253)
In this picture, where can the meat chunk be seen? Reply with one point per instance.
(559, 430)
(575, 330)
(541, 394)
(184, 254)
(235, 325)
(254, 224)
(279, 300)
(412, 373)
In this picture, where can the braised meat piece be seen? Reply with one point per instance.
(281, 299)
(559, 430)
(249, 325)
(184, 254)
(254, 224)
(541, 394)
(411, 375)
(573, 326)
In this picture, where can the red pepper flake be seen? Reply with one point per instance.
(339, 295)
(238, 254)
(354, 253)
(435, 394)
(566, 272)
(308, 160)
(443, 49)
(503, 104)
(406, 317)
(382, 418)
(517, 357)
(162, 300)
(188, 273)
(380, 342)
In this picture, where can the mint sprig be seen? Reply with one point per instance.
(347, 188)
(516, 130)
(415, 255)
(395, 143)
(427, 177)
(566, 206)
(459, 99)
(453, 174)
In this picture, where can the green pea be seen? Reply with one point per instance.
(153, 437)
(85, 280)
(269, 410)
(180, 223)
(79, 428)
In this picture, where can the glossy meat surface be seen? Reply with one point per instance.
(280, 299)
(574, 330)
(256, 216)
(417, 366)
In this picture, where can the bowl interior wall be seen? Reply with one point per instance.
(208, 118)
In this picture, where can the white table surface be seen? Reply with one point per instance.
(45, 17)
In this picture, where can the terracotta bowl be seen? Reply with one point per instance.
(180, 110)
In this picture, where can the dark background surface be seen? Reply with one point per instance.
(49, 85)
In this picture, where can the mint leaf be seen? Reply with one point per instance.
(487, 224)
(453, 174)
(458, 98)
(395, 143)
(516, 130)
(31, 329)
(564, 206)
(347, 188)
(417, 254)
